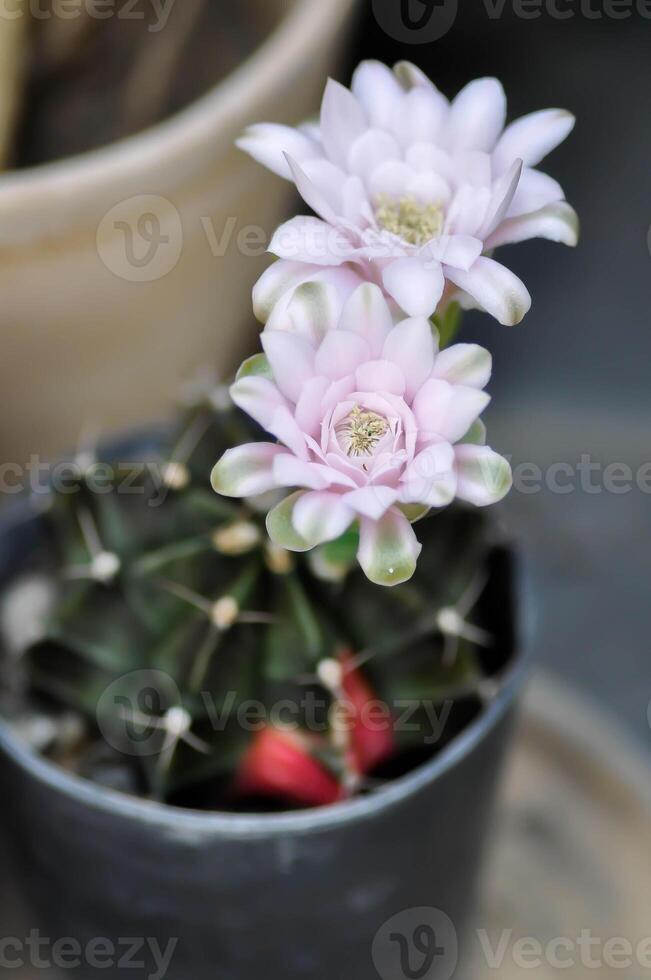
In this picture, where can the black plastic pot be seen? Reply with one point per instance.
(301, 895)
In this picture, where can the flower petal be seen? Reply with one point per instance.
(285, 428)
(412, 346)
(464, 364)
(532, 137)
(280, 524)
(319, 517)
(311, 194)
(445, 411)
(291, 359)
(430, 478)
(268, 143)
(421, 115)
(342, 121)
(483, 476)
(258, 397)
(310, 240)
(309, 412)
(377, 89)
(415, 284)
(556, 222)
(504, 190)
(247, 471)
(388, 549)
(371, 149)
(380, 376)
(477, 116)
(340, 353)
(372, 501)
(256, 366)
(367, 313)
(534, 191)
(495, 288)
(293, 472)
(313, 310)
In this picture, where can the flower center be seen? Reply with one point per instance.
(415, 223)
(361, 431)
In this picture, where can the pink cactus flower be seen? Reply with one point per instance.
(413, 192)
(373, 424)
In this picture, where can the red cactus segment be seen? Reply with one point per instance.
(278, 764)
(372, 736)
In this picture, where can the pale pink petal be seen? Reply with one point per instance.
(338, 392)
(495, 288)
(426, 158)
(292, 472)
(280, 279)
(292, 361)
(259, 398)
(388, 549)
(477, 116)
(556, 222)
(340, 353)
(473, 167)
(410, 76)
(308, 412)
(420, 116)
(372, 502)
(367, 313)
(313, 310)
(247, 471)
(391, 179)
(415, 284)
(428, 188)
(534, 191)
(383, 376)
(467, 211)
(321, 516)
(504, 190)
(311, 194)
(268, 142)
(412, 346)
(309, 240)
(370, 150)
(464, 364)
(328, 180)
(430, 478)
(460, 251)
(274, 296)
(379, 92)
(342, 121)
(445, 411)
(285, 428)
(483, 477)
(533, 137)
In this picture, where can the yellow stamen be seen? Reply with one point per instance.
(415, 223)
(362, 431)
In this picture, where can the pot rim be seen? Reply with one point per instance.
(163, 147)
(177, 821)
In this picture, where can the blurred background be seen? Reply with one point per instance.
(93, 341)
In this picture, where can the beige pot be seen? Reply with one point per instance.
(124, 270)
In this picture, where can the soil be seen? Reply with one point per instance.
(91, 81)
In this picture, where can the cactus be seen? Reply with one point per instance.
(156, 576)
